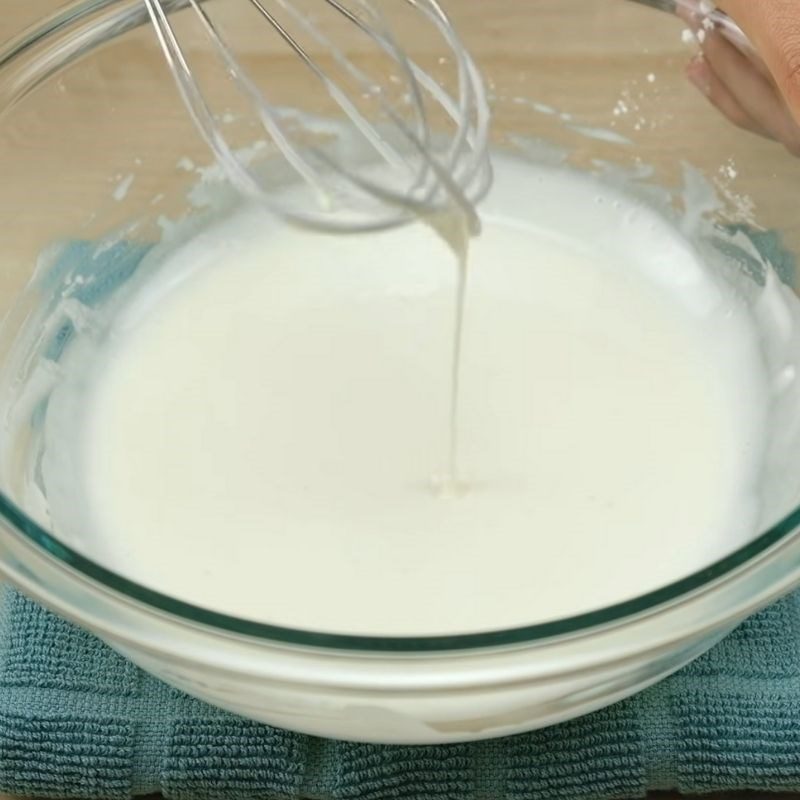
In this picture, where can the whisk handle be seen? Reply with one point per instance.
(720, 21)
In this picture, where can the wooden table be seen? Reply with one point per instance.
(17, 14)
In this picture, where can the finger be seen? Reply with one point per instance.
(703, 77)
(774, 27)
(757, 95)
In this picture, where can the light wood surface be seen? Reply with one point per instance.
(17, 14)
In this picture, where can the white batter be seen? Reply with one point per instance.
(265, 425)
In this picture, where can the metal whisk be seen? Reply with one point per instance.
(708, 16)
(365, 169)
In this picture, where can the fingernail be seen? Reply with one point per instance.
(698, 73)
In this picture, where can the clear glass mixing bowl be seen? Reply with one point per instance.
(92, 139)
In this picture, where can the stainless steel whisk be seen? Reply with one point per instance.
(400, 168)
(707, 14)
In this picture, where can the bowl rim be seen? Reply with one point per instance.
(131, 14)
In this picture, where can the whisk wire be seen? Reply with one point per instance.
(457, 175)
(191, 94)
(420, 140)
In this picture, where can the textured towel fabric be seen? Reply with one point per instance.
(78, 721)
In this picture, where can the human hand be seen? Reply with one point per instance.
(760, 93)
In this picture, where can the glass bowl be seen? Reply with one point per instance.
(94, 144)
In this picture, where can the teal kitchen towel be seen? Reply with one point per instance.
(78, 721)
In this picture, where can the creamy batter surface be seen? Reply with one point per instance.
(266, 427)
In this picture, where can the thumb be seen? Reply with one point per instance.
(774, 28)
